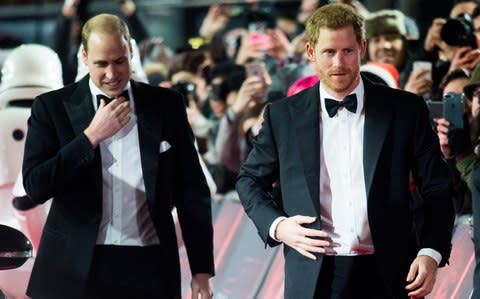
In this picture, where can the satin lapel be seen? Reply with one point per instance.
(149, 136)
(79, 107)
(378, 116)
(304, 112)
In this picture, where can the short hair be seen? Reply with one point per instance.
(383, 22)
(476, 12)
(106, 24)
(453, 75)
(334, 16)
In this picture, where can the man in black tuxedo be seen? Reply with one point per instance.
(114, 170)
(342, 153)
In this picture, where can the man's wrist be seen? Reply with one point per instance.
(273, 228)
(431, 253)
(90, 136)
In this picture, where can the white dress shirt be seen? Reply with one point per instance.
(343, 204)
(126, 219)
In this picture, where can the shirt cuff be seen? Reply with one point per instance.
(273, 227)
(431, 253)
(231, 116)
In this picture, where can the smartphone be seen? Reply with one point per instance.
(453, 109)
(435, 108)
(420, 65)
(256, 69)
(262, 39)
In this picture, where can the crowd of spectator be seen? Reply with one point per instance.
(248, 55)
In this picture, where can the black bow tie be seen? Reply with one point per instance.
(108, 100)
(349, 102)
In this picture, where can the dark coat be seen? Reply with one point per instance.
(60, 163)
(398, 140)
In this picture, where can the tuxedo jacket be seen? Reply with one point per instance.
(397, 141)
(60, 163)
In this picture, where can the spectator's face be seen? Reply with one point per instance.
(456, 86)
(336, 59)
(475, 102)
(387, 48)
(476, 29)
(218, 108)
(306, 10)
(108, 62)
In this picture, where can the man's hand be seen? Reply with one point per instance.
(250, 49)
(215, 21)
(108, 120)
(245, 97)
(298, 45)
(291, 232)
(69, 8)
(201, 286)
(434, 36)
(421, 277)
(280, 45)
(465, 58)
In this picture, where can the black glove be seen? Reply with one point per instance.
(23, 203)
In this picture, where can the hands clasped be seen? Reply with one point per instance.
(304, 240)
(108, 120)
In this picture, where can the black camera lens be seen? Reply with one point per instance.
(187, 89)
(459, 32)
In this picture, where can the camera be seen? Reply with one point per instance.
(187, 89)
(459, 32)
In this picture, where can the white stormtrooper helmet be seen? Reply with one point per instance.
(138, 73)
(28, 71)
(32, 65)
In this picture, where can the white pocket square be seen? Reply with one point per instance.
(164, 146)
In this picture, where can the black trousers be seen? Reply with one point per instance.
(350, 277)
(132, 272)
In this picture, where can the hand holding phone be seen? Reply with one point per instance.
(426, 66)
(257, 70)
(262, 40)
